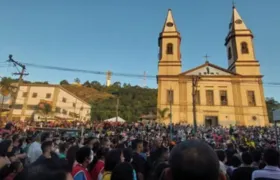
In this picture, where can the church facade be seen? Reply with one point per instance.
(208, 93)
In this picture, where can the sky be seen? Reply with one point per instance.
(121, 36)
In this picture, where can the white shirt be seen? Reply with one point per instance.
(269, 172)
(34, 152)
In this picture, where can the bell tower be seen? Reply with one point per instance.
(240, 47)
(169, 48)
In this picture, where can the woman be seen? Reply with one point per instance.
(71, 156)
(123, 171)
(113, 158)
(6, 147)
(83, 157)
(97, 164)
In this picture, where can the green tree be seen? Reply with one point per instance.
(271, 105)
(96, 85)
(163, 114)
(64, 82)
(77, 80)
(6, 86)
(87, 84)
(45, 110)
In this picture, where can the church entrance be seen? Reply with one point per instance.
(211, 121)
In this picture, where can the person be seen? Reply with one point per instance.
(123, 171)
(245, 171)
(235, 163)
(16, 167)
(193, 160)
(34, 150)
(46, 171)
(271, 170)
(113, 158)
(83, 157)
(257, 156)
(71, 156)
(98, 163)
(63, 148)
(6, 147)
(47, 148)
(222, 159)
(139, 163)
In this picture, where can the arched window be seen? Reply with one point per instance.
(169, 48)
(244, 48)
(229, 53)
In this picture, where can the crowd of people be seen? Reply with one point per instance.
(139, 151)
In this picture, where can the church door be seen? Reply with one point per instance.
(211, 121)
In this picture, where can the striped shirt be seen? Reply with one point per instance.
(268, 173)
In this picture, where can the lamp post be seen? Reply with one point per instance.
(170, 99)
(194, 91)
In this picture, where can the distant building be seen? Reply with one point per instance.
(65, 105)
(222, 96)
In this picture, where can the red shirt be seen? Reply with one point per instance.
(78, 170)
(99, 166)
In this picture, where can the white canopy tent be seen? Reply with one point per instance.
(115, 119)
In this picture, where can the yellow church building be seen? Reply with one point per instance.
(210, 94)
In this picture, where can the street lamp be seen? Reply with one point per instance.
(170, 100)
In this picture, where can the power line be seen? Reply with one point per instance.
(112, 73)
(85, 71)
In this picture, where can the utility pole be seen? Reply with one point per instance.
(170, 99)
(117, 95)
(194, 91)
(21, 74)
(117, 108)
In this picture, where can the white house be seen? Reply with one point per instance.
(64, 103)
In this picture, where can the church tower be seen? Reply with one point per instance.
(240, 47)
(169, 48)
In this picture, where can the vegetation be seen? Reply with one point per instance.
(271, 105)
(45, 110)
(163, 114)
(134, 101)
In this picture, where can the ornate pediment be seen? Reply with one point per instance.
(208, 69)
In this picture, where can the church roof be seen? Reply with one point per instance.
(169, 25)
(237, 22)
(208, 69)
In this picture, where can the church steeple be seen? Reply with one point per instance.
(237, 22)
(240, 47)
(169, 43)
(169, 25)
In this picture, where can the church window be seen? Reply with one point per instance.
(229, 53)
(209, 98)
(169, 48)
(251, 98)
(170, 96)
(197, 97)
(244, 48)
(223, 98)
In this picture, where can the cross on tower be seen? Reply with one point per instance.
(206, 57)
(233, 3)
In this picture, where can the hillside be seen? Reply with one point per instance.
(87, 94)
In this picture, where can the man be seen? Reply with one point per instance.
(245, 171)
(47, 148)
(222, 159)
(193, 160)
(138, 161)
(271, 170)
(34, 150)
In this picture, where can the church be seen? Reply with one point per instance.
(211, 95)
